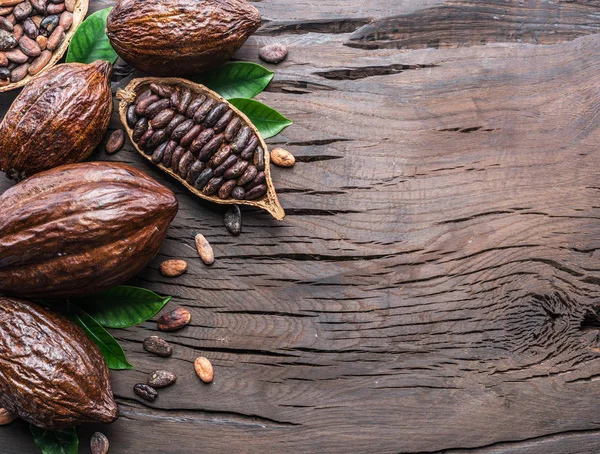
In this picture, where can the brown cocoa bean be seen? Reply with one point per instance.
(282, 158)
(70, 5)
(247, 176)
(7, 3)
(184, 101)
(158, 346)
(37, 20)
(232, 128)
(236, 170)
(233, 219)
(7, 40)
(40, 63)
(161, 379)
(6, 417)
(194, 106)
(22, 10)
(223, 121)
(66, 20)
(132, 118)
(4, 75)
(215, 114)
(115, 141)
(39, 5)
(12, 19)
(143, 142)
(19, 73)
(142, 103)
(145, 392)
(29, 47)
(156, 139)
(238, 193)
(30, 28)
(203, 178)
(56, 38)
(3, 60)
(16, 56)
(185, 163)
(260, 178)
(182, 129)
(230, 161)
(256, 192)
(164, 91)
(204, 369)
(173, 268)
(190, 136)
(49, 23)
(55, 8)
(241, 139)
(176, 121)
(5, 10)
(159, 154)
(249, 150)
(18, 32)
(6, 25)
(194, 172)
(99, 443)
(211, 147)
(177, 154)
(174, 320)
(219, 157)
(140, 129)
(213, 185)
(225, 189)
(156, 107)
(259, 158)
(175, 98)
(203, 110)
(42, 41)
(199, 142)
(162, 119)
(168, 156)
(143, 96)
(205, 250)
(273, 53)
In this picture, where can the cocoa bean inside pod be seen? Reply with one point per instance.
(214, 149)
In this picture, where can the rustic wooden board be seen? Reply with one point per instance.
(435, 286)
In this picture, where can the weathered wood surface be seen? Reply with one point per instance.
(435, 286)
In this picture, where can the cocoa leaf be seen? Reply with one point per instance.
(122, 306)
(267, 120)
(56, 442)
(237, 79)
(90, 43)
(111, 350)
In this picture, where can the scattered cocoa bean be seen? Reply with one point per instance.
(204, 369)
(115, 141)
(146, 392)
(174, 320)
(99, 443)
(233, 220)
(204, 249)
(173, 268)
(282, 158)
(158, 346)
(161, 379)
(273, 53)
(6, 417)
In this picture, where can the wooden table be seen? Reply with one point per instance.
(435, 286)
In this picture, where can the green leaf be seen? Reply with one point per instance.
(90, 42)
(111, 350)
(268, 121)
(237, 79)
(123, 306)
(56, 442)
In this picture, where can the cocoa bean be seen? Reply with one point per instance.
(185, 163)
(256, 192)
(211, 147)
(7, 40)
(241, 139)
(247, 176)
(213, 185)
(273, 53)
(219, 157)
(40, 63)
(182, 129)
(99, 443)
(215, 114)
(158, 346)
(159, 154)
(177, 154)
(194, 106)
(223, 121)
(115, 141)
(19, 73)
(49, 23)
(204, 369)
(168, 156)
(142, 103)
(282, 158)
(37, 20)
(259, 158)
(238, 193)
(156, 107)
(16, 56)
(204, 109)
(162, 119)
(232, 128)
(176, 121)
(132, 118)
(30, 28)
(174, 320)
(194, 172)
(70, 5)
(22, 10)
(12, 19)
(158, 136)
(203, 178)
(143, 96)
(190, 136)
(230, 161)
(3, 60)
(233, 219)
(4, 83)
(161, 379)
(18, 32)
(184, 101)
(42, 41)
(56, 38)
(173, 268)
(145, 392)
(6, 417)
(175, 98)
(29, 47)
(6, 25)
(260, 178)
(140, 129)
(39, 5)
(205, 250)
(66, 20)
(4, 74)
(225, 189)
(143, 142)
(249, 150)
(55, 8)
(236, 170)
(5, 10)
(164, 91)
(199, 142)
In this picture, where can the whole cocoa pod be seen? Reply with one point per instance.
(59, 118)
(51, 374)
(168, 37)
(80, 229)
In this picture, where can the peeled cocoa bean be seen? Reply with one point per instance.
(233, 220)
(161, 379)
(205, 250)
(115, 141)
(225, 189)
(162, 119)
(173, 268)
(256, 192)
(174, 320)
(56, 38)
(213, 185)
(203, 178)
(229, 162)
(158, 346)
(223, 121)
(236, 170)
(215, 114)
(156, 107)
(145, 392)
(282, 158)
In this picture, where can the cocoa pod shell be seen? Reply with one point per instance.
(80, 8)
(59, 118)
(268, 201)
(80, 229)
(51, 374)
(197, 35)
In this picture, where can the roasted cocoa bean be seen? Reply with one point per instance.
(241, 139)
(233, 219)
(233, 128)
(56, 38)
(173, 268)
(29, 47)
(259, 158)
(215, 114)
(182, 129)
(158, 346)
(194, 106)
(175, 98)
(40, 63)
(205, 250)
(203, 138)
(204, 109)
(238, 193)
(16, 56)
(22, 10)
(140, 129)
(132, 118)
(273, 53)
(7, 40)
(230, 161)
(236, 170)
(174, 320)
(185, 163)
(143, 96)
(225, 189)
(219, 157)
(223, 121)
(177, 154)
(115, 141)
(247, 176)
(159, 153)
(49, 23)
(203, 178)
(211, 147)
(162, 119)
(213, 186)
(282, 158)
(156, 107)
(161, 379)
(143, 102)
(204, 369)
(176, 121)
(66, 20)
(164, 91)
(6, 25)
(194, 172)
(190, 136)
(19, 73)
(143, 142)
(99, 443)
(256, 192)
(184, 101)
(30, 28)
(168, 157)
(158, 137)
(145, 392)
(249, 150)
(260, 178)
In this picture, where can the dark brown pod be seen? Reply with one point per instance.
(208, 145)
(201, 34)
(51, 374)
(80, 229)
(59, 118)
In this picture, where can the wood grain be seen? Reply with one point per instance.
(434, 287)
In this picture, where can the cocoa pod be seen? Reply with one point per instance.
(174, 320)
(51, 374)
(158, 346)
(161, 379)
(80, 229)
(57, 119)
(209, 130)
(204, 369)
(202, 34)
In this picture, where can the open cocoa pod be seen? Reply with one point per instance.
(29, 18)
(197, 137)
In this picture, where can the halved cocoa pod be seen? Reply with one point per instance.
(212, 159)
(78, 14)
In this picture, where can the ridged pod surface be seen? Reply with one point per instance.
(59, 118)
(80, 229)
(179, 37)
(51, 374)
